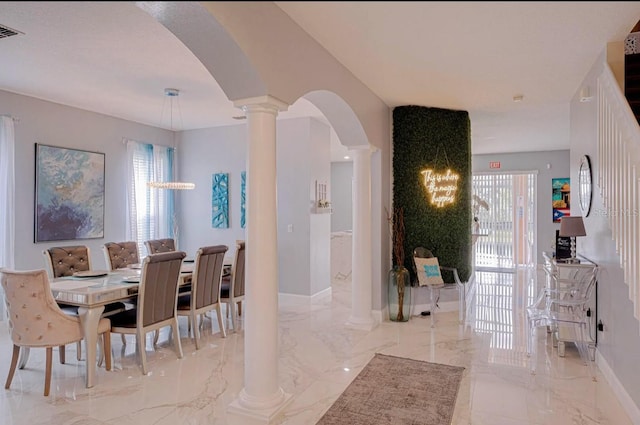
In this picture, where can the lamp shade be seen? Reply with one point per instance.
(572, 226)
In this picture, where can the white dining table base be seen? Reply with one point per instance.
(89, 319)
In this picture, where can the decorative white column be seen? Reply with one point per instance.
(262, 397)
(361, 290)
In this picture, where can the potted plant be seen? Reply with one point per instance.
(399, 281)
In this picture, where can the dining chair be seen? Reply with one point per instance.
(564, 303)
(156, 307)
(155, 246)
(35, 320)
(205, 289)
(64, 261)
(120, 255)
(232, 288)
(434, 290)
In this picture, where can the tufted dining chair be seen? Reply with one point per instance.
(205, 289)
(155, 246)
(120, 255)
(64, 261)
(35, 320)
(156, 307)
(232, 288)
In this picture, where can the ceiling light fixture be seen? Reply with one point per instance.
(171, 94)
(347, 157)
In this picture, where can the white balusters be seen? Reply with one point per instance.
(619, 177)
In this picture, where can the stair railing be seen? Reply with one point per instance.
(618, 177)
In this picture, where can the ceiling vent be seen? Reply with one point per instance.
(8, 32)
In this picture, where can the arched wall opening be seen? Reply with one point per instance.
(234, 41)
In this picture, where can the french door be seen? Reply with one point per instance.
(504, 214)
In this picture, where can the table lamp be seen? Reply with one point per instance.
(572, 227)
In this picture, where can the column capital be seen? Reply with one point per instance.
(261, 103)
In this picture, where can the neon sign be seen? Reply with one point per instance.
(441, 187)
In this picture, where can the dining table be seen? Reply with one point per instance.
(91, 291)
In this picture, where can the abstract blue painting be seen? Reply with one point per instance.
(220, 201)
(69, 194)
(243, 195)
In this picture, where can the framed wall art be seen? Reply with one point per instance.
(560, 198)
(69, 194)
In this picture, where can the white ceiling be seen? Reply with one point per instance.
(113, 58)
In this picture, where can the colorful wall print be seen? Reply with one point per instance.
(220, 201)
(243, 197)
(69, 194)
(561, 198)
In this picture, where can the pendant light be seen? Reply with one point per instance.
(171, 94)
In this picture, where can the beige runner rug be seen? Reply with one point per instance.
(399, 391)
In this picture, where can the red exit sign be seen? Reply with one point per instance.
(494, 164)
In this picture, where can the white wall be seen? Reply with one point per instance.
(57, 125)
(319, 162)
(294, 180)
(202, 153)
(341, 200)
(619, 344)
(302, 157)
(558, 161)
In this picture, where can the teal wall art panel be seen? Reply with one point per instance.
(243, 195)
(220, 201)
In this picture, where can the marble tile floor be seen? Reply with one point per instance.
(319, 357)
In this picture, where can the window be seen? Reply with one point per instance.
(150, 211)
(505, 220)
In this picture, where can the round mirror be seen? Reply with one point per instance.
(584, 185)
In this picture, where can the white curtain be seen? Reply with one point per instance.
(150, 211)
(7, 192)
(7, 198)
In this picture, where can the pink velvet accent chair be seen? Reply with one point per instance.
(35, 320)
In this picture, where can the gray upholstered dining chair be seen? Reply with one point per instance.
(232, 288)
(35, 320)
(156, 307)
(120, 255)
(155, 246)
(205, 289)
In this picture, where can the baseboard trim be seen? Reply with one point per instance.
(295, 299)
(627, 402)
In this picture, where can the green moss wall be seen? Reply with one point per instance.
(439, 139)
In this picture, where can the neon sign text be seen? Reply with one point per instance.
(441, 187)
